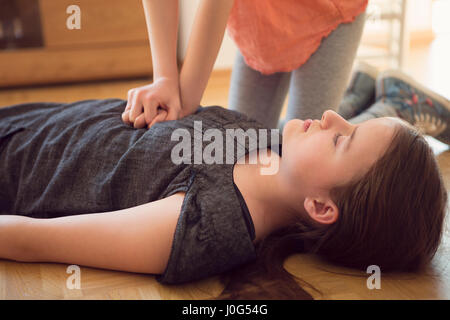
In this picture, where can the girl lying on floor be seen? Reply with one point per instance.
(79, 186)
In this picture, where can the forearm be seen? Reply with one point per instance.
(12, 237)
(136, 239)
(162, 26)
(32, 239)
(95, 240)
(204, 45)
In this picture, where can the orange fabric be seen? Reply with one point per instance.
(281, 35)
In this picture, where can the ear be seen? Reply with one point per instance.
(321, 210)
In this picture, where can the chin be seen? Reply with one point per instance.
(291, 125)
(294, 125)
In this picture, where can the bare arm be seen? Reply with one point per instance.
(162, 26)
(180, 94)
(143, 102)
(204, 44)
(137, 239)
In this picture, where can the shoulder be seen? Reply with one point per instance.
(211, 234)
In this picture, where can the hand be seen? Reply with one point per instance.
(156, 102)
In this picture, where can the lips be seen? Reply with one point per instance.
(307, 124)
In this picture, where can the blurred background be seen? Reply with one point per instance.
(37, 48)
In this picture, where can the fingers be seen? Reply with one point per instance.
(140, 122)
(148, 105)
(126, 116)
(140, 103)
(126, 113)
(136, 105)
(161, 116)
(173, 113)
(150, 108)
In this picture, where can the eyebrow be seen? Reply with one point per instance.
(347, 146)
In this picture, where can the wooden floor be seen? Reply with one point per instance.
(428, 64)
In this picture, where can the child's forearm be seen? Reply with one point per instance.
(162, 26)
(13, 237)
(204, 44)
(136, 239)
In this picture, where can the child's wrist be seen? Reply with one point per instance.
(187, 110)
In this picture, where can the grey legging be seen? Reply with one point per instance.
(317, 85)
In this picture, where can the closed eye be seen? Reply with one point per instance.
(336, 137)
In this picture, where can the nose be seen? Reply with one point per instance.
(331, 118)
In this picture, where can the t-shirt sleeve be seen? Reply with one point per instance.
(211, 235)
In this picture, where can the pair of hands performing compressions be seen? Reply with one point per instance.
(174, 95)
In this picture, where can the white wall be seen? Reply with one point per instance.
(419, 15)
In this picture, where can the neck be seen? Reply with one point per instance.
(267, 197)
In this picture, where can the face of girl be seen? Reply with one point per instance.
(332, 151)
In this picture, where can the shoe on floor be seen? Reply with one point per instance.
(413, 102)
(360, 93)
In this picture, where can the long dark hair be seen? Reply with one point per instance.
(392, 217)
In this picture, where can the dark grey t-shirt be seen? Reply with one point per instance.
(63, 159)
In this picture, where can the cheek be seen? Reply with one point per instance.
(305, 161)
(309, 160)
(308, 166)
